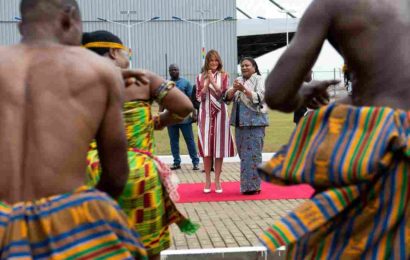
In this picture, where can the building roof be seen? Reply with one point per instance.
(257, 37)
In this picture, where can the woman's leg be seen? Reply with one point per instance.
(207, 168)
(218, 170)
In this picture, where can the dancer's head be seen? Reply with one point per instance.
(108, 45)
(53, 20)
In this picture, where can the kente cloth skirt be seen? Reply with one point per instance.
(85, 224)
(358, 161)
(145, 201)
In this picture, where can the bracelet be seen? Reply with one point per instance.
(177, 117)
(162, 91)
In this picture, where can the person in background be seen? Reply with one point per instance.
(249, 117)
(149, 193)
(347, 75)
(195, 103)
(214, 134)
(185, 126)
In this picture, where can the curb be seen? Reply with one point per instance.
(237, 253)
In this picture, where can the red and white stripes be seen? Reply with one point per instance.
(214, 133)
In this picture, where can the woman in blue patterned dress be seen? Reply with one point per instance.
(250, 119)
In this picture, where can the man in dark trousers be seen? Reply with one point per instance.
(185, 126)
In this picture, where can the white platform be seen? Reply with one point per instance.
(237, 253)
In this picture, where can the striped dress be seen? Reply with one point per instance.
(145, 200)
(214, 133)
(358, 160)
(85, 224)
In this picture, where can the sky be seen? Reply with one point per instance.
(328, 58)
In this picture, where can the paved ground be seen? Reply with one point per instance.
(226, 224)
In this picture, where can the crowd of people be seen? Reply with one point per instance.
(69, 113)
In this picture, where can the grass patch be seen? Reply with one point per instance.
(277, 134)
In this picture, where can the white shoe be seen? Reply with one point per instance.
(219, 190)
(207, 190)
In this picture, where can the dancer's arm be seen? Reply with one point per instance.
(111, 139)
(178, 105)
(284, 82)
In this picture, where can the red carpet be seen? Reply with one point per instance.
(231, 192)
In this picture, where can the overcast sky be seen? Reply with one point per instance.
(328, 58)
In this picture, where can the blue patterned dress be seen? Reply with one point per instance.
(249, 141)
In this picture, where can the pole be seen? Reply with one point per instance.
(203, 50)
(287, 13)
(203, 25)
(129, 37)
(287, 31)
(334, 86)
(166, 66)
(129, 27)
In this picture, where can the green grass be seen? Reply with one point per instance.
(277, 134)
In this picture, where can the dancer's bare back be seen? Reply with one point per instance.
(53, 101)
(373, 36)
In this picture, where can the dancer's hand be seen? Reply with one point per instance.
(157, 122)
(314, 94)
(194, 117)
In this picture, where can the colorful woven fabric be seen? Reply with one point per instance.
(358, 160)
(85, 224)
(249, 142)
(145, 200)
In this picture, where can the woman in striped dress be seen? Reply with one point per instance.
(214, 133)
